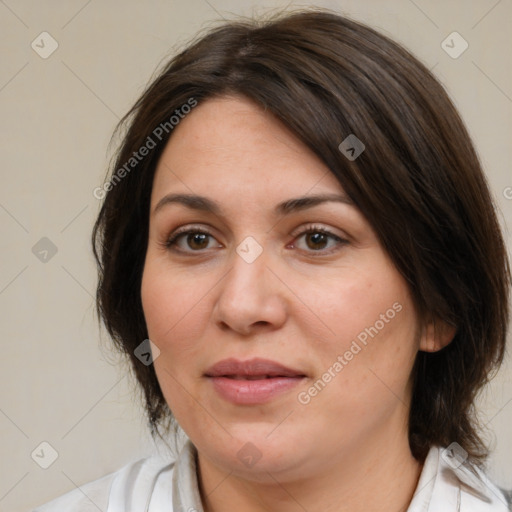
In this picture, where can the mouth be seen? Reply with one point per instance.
(252, 382)
(253, 369)
(254, 377)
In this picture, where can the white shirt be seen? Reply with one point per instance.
(154, 484)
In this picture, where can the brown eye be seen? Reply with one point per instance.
(319, 240)
(190, 241)
(197, 240)
(316, 240)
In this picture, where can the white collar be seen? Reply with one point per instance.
(448, 484)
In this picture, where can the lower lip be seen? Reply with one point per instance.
(251, 392)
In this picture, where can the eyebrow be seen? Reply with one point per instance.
(205, 204)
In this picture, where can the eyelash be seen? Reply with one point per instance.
(171, 241)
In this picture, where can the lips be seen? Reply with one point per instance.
(253, 369)
(254, 382)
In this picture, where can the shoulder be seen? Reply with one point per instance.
(131, 483)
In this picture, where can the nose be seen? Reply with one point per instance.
(250, 297)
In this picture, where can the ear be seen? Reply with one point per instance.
(436, 335)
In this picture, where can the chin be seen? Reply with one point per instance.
(254, 454)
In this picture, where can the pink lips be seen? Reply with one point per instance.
(255, 381)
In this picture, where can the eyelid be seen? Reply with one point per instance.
(191, 227)
(313, 227)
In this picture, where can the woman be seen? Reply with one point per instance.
(299, 223)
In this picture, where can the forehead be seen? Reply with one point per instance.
(230, 145)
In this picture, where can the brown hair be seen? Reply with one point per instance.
(419, 183)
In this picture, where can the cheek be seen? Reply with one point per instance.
(174, 306)
(355, 301)
(373, 327)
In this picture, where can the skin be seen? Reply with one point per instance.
(301, 302)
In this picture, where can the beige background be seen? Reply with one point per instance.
(60, 383)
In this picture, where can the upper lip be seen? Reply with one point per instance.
(254, 367)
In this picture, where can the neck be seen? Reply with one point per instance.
(381, 476)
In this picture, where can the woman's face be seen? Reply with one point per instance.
(302, 284)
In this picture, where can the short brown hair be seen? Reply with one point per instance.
(419, 184)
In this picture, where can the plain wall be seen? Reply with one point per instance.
(60, 382)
